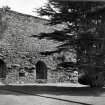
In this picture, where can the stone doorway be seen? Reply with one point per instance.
(2, 69)
(41, 70)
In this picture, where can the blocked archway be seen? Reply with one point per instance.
(41, 70)
(3, 69)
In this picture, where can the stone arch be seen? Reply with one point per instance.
(41, 70)
(3, 69)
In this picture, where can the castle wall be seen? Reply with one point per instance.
(16, 42)
(21, 50)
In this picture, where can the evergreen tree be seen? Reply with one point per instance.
(83, 31)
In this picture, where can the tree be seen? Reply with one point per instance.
(83, 32)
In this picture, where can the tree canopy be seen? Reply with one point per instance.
(83, 30)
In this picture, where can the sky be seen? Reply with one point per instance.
(23, 6)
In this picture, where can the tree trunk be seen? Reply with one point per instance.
(98, 80)
(94, 80)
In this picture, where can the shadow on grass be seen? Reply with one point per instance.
(52, 90)
(71, 91)
(64, 100)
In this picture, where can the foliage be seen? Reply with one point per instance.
(83, 30)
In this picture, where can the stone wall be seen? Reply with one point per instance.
(19, 47)
(17, 40)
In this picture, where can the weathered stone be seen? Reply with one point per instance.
(19, 47)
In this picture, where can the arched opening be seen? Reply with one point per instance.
(2, 69)
(41, 70)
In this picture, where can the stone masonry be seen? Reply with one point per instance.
(20, 49)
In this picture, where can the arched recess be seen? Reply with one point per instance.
(41, 70)
(3, 69)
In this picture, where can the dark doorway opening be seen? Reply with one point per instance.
(3, 69)
(41, 70)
